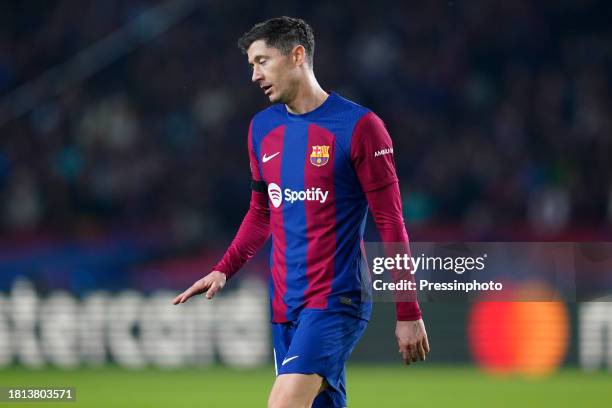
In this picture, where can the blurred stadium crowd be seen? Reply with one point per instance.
(500, 112)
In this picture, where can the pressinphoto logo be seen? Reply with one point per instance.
(274, 192)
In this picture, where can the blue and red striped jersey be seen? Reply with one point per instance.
(318, 167)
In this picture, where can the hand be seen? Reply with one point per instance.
(412, 340)
(210, 284)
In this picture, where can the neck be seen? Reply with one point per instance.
(308, 97)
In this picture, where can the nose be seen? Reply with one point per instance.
(256, 77)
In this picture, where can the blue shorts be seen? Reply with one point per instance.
(318, 342)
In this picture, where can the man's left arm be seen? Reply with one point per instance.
(372, 158)
(386, 207)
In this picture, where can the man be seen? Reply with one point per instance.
(317, 162)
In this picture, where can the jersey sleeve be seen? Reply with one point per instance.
(253, 162)
(372, 158)
(372, 153)
(252, 234)
(386, 206)
(255, 227)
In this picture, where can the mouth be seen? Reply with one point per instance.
(267, 89)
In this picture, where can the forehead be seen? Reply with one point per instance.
(259, 48)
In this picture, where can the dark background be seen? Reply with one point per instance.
(500, 113)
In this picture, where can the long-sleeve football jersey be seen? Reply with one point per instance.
(320, 170)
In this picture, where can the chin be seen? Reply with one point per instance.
(277, 97)
(274, 98)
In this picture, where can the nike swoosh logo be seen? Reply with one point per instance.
(285, 361)
(266, 159)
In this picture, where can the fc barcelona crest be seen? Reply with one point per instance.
(319, 156)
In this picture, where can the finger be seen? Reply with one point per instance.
(214, 287)
(218, 285)
(178, 299)
(421, 351)
(186, 295)
(414, 355)
(426, 344)
(193, 290)
(406, 357)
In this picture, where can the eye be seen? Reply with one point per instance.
(262, 62)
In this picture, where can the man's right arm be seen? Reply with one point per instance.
(255, 228)
(252, 234)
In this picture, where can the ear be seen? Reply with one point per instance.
(298, 55)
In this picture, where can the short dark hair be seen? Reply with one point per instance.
(282, 33)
